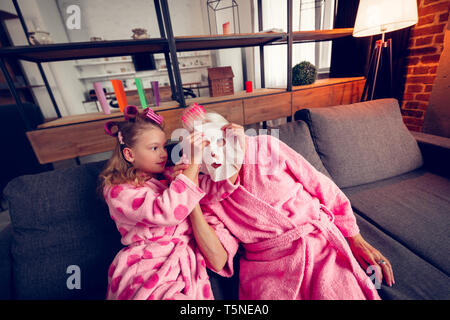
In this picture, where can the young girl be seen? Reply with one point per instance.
(293, 222)
(166, 252)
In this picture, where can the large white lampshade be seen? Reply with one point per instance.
(382, 16)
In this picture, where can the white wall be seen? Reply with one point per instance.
(234, 57)
(114, 19)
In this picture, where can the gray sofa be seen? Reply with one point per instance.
(399, 189)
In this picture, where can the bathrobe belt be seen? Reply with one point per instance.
(273, 248)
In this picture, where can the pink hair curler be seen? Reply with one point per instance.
(192, 114)
(130, 113)
(108, 128)
(149, 113)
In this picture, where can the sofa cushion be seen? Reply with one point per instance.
(362, 142)
(296, 135)
(413, 209)
(415, 278)
(58, 222)
(5, 263)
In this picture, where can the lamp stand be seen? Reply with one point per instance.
(374, 66)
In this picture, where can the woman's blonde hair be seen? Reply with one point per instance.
(118, 170)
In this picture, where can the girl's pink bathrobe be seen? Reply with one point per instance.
(292, 221)
(161, 259)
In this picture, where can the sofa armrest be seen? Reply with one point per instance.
(6, 263)
(435, 152)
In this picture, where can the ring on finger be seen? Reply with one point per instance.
(381, 262)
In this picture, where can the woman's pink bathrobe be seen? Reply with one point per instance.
(292, 221)
(161, 259)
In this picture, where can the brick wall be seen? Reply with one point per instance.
(425, 48)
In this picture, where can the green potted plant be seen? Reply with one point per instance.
(303, 73)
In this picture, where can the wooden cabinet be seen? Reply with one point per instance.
(267, 107)
(328, 93)
(311, 98)
(70, 141)
(233, 111)
(347, 93)
(172, 120)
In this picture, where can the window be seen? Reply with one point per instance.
(307, 15)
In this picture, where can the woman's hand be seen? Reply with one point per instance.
(367, 256)
(233, 129)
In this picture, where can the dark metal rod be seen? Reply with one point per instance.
(239, 19)
(170, 72)
(261, 48)
(380, 47)
(41, 70)
(389, 43)
(159, 17)
(49, 90)
(369, 74)
(318, 23)
(234, 20)
(15, 95)
(19, 65)
(209, 19)
(289, 45)
(261, 53)
(173, 52)
(166, 55)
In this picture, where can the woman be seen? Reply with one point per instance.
(296, 226)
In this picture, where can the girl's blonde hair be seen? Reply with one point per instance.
(118, 170)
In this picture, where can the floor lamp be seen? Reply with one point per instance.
(376, 17)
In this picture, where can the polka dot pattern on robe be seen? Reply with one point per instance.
(180, 212)
(115, 191)
(151, 282)
(178, 186)
(137, 203)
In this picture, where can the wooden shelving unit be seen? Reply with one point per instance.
(168, 45)
(84, 50)
(99, 49)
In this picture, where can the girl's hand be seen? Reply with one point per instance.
(177, 169)
(193, 146)
(369, 256)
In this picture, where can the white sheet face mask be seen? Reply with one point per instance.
(223, 155)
